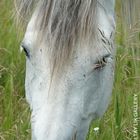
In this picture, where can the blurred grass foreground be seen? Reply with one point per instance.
(122, 119)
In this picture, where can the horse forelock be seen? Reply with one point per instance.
(62, 23)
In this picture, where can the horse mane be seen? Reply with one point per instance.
(62, 24)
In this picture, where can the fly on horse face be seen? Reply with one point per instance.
(69, 64)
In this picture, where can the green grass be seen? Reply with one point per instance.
(116, 124)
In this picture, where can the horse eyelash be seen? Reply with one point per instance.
(101, 63)
(26, 51)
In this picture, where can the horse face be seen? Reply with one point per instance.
(66, 110)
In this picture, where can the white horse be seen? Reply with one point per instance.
(70, 64)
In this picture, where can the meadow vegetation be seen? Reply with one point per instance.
(117, 122)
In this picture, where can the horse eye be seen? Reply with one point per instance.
(101, 63)
(26, 50)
